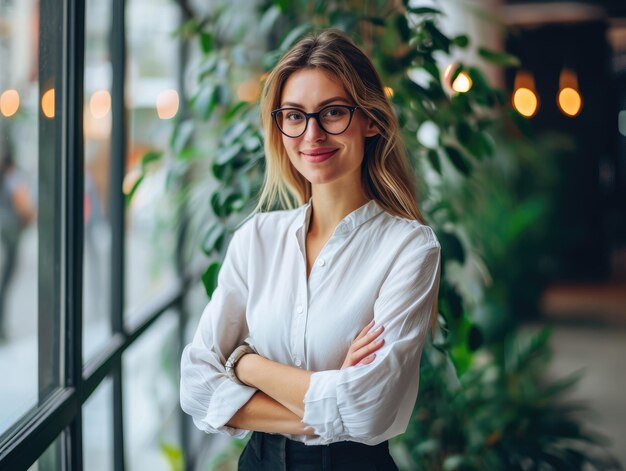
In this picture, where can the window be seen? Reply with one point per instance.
(92, 285)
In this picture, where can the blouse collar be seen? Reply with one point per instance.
(346, 225)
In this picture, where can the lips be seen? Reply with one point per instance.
(319, 154)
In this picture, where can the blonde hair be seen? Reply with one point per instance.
(386, 174)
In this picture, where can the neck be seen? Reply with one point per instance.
(331, 205)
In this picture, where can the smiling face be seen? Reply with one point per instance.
(320, 157)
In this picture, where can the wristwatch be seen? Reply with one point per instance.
(234, 357)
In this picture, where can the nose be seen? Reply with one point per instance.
(314, 132)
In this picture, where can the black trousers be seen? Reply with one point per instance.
(267, 452)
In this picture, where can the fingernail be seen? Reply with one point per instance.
(379, 341)
(372, 356)
(379, 329)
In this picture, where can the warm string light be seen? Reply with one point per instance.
(9, 103)
(47, 103)
(569, 99)
(462, 83)
(525, 99)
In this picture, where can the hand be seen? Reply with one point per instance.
(361, 351)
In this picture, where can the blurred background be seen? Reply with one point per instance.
(130, 149)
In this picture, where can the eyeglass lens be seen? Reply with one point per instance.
(333, 119)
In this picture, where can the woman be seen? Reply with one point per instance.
(287, 346)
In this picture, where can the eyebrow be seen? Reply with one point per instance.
(320, 105)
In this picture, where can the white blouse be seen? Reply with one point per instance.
(374, 266)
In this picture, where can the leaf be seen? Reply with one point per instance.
(451, 246)
(206, 42)
(440, 40)
(173, 455)
(402, 27)
(182, 135)
(458, 160)
(209, 278)
(232, 111)
(205, 100)
(269, 18)
(464, 133)
(433, 158)
(133, 190)
(461, 41)
(227, 154)
(222, 172)
(150, 156)
(234, 131)
(499, 58)
(213, 238)
(474, 338)
(294, 35)
(425, 11)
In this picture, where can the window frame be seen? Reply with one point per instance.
(59, 411)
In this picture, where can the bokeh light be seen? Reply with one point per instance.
(100, 104)
(47, 103)
(167, 104)
(9, 103)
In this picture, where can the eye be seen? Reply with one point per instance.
(294, 115)
(334, 112)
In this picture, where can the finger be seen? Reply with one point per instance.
(365, 330)
(363, 352)
(367, 360)
(360, 343)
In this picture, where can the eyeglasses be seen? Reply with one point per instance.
(333, 119)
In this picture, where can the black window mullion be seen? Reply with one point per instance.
(73, 146)
(117, 207)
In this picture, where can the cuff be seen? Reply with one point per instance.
(227, 399)
(320, 406)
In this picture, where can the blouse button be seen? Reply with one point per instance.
(299, 309)
(322, 262)
(298, 362)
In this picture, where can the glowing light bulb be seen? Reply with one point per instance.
(525, 102)
(167, 104)
(462, 83)
(569, 99)
(47, 103)
(9, 103)
(525, 98)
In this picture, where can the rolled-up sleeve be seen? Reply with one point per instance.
(371, 403)
(206, 393)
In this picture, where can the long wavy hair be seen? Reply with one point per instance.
(385, 172)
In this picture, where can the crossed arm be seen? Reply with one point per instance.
(278, 406)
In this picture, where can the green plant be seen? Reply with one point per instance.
(501, 415)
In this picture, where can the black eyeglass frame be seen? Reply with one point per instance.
(315, 115)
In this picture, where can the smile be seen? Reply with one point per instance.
(316, 156)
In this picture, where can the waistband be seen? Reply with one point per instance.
(294, 453)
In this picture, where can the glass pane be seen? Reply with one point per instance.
(152, 102)
(151, 412)
(19, 126)
(50, 460)
(97, 127)
(98, 429)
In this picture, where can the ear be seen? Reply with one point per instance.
(371, 130)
